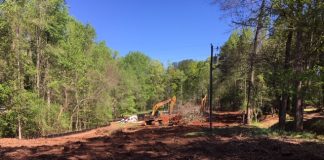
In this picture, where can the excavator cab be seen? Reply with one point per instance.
(156, 114)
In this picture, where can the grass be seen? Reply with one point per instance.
(318, 124)
(258, 132)
(308, 134)
(259, 125)
(293, 135)
(230, 132)
(290, 134)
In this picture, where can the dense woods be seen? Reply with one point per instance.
(279, 52)
(56, 77)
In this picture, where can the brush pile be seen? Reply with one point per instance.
(190, 112)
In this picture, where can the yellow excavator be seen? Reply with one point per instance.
(172, 102)
(203, 104)
(155, 116)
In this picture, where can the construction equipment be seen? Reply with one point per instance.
(172, 102)
(203, 104)
(155, 116)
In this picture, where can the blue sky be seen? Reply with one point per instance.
(165, 30)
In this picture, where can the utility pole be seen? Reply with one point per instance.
(212, 58)
(211, 87)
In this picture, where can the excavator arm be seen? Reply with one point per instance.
(172, 102)
(203, 104)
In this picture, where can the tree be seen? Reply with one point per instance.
(296, 23)
(255, 15)
(233, 70)
(54, 75)
(302, 20)
(149, 78)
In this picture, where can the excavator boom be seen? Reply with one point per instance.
(172, 102)
(203, 104)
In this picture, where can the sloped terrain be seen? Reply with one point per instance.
(154, 142)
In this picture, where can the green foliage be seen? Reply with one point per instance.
(26, 108)
(188, 79)
(175, 79)
(7, 128)
(103, 111)
(55, 77)
(146, 78)
(4, 93)
(232, 80)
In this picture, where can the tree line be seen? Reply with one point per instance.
(55, 77)
(275, 59)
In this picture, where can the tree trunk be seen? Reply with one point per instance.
(285, 96)
(65, 105)
(256, 47)
(19, 76)
(48, 92)
(48, 97)
(299, 107)
(77, 119)
(19, 128)
(38, 57)
(298, 68)
(78, 104)
(16, 49)
(322, 105)
(245, 89)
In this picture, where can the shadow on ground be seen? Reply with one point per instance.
(313, 122)
(228, 118)
(180, 142)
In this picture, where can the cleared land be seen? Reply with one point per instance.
(229, 140)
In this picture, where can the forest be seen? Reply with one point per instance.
(56, 77)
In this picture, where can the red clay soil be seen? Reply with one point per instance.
(153, 142)
(13, 142)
